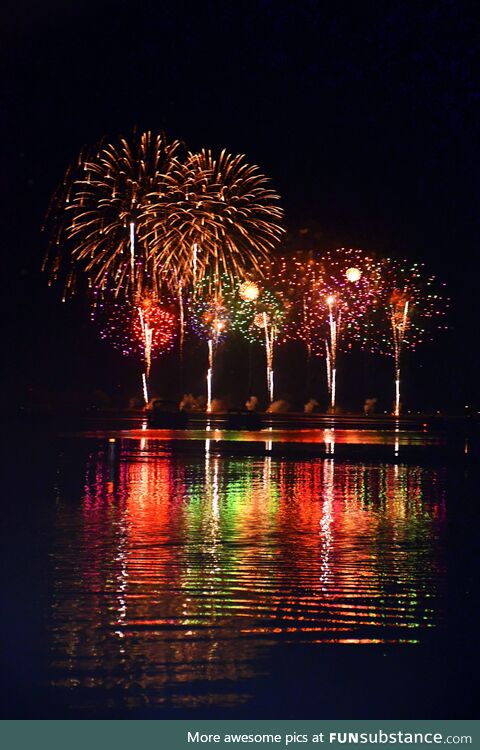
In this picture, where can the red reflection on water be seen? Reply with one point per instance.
(186, 565)
(326, 436)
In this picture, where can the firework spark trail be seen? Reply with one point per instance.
(399, 327)
(132, 252)
(332, 350)
(147, 333)
(334, 327)
(269, 344)
(399, 321)
(146, 397)
(218, 328)
(181, 312)
(308, 342)
(195, 252)
(329, 366)
(209, 375)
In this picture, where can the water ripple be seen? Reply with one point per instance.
(176, 569)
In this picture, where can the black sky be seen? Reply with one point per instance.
(364, 115)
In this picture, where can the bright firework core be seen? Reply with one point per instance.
(259, 320)
(353, 274)
(249, 291)
(215, 321)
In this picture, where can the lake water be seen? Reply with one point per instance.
(144, 580)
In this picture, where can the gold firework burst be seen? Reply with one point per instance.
(98, 215)
(225, 220)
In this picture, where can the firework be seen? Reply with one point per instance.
(412, 309)
(260, 319)
(353, 274)
(328, 298)
(144, 329)
(136, 219)
(349, 291)
(98, 216)
(297, 280)
(210, 319)
(249, 291)
(225, 223)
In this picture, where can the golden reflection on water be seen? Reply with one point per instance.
(176, 569)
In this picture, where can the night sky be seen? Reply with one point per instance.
(364, 115)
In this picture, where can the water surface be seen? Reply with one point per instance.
(166, 583)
